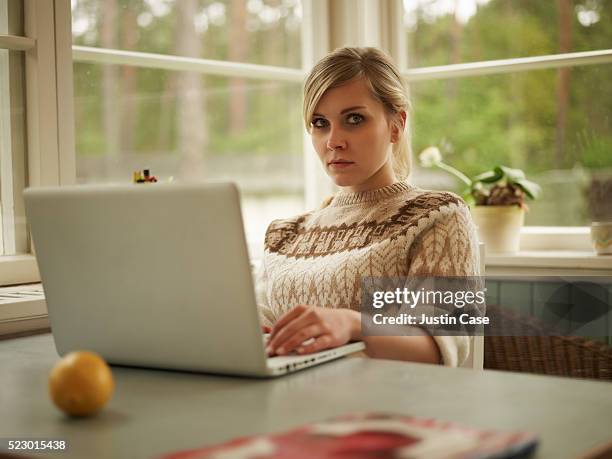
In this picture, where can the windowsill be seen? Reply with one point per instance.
(566, 259)
(18, 269)
(22, 309)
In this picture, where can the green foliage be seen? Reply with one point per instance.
(506, 176)
(500, 185)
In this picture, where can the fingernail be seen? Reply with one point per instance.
(280, 350)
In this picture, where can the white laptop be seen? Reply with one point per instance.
(154, 275)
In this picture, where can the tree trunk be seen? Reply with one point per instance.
(166, 110)
(456, 36)
(565, 8)
(129, 74)
(110, 121)
(238, 50)
(476, 51)
(192, 129)
(274, 51)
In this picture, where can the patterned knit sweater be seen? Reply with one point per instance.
(399, 230)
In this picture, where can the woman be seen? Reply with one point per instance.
(356, 111)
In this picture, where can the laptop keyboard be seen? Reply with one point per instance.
(266, 338)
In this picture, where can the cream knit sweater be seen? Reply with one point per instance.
(399, 230)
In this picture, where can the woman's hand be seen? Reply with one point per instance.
(326, 327)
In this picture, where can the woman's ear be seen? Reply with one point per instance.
(398, 126)
(403, 116)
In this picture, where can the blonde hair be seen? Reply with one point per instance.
(384, 81)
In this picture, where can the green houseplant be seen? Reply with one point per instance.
(496, 198)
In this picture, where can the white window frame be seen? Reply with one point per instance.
(49, 122)
(326, 25)
(13, 268)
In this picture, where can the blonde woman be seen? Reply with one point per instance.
(356, 110)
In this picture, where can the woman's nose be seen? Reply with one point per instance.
(335, 141)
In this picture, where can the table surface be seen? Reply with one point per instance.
(155, 412)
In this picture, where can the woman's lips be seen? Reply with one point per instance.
(340, 164)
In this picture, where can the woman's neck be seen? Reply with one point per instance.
(382, 177)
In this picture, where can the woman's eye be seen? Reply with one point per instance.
(319, 123)
(354, 118)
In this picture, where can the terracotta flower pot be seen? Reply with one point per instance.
(499, 227)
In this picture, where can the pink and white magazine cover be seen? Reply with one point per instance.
(373, 435)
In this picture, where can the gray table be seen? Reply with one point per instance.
(155, 412)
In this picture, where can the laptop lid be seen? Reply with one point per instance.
(148, 275)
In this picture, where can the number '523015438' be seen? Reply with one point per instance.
(37, 445)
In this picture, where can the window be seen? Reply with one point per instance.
(218, 95)
(554, 123)
(13, 234)
(193, 89)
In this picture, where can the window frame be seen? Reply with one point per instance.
(49, 142)
(512, 65)
(326, 25)
(49, 54)
(14, 268)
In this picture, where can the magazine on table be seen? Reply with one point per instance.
(373, 435)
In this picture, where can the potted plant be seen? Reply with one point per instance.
(496, 198)
(600, 207)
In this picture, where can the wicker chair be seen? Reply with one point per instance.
(530, 348)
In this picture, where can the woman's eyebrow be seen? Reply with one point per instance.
(357, 107)
(345, 110)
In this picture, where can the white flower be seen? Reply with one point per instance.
(430, 156)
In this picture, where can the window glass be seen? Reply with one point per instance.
(189, 126)
(13, 232)
(13, 236)
(441, 32)
(266, 32)
(184, 125)
(3, 17)
(556, 125)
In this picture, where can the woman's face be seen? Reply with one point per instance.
(352, 136)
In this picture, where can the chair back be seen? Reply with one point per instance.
(476, 358)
